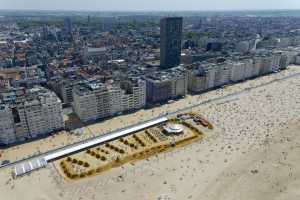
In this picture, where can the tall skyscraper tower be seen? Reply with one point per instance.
(170, 41)
(45, 32)
(89, 19)
(68, 25)
(68, 28)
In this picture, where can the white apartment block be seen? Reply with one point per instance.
(210, 72)
(256, 66)
(37, 112)
(64, 88)
(237, 71)
(92, 101)
(222, 74)
(136, 97)
(95, 100)
(276, 62)
(265, 65)
(165, 85)
(178, 85)
(249, 68)
(196, 80)
(7, 130)
(43, 115)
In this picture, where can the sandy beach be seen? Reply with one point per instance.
(63, 138)
(251, 155)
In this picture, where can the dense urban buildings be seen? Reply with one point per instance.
(100, 67)
(170, 41)
(149, 105)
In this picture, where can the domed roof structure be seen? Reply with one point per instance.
(173, 128)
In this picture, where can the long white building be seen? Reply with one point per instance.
(204, 76)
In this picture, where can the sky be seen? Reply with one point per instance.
(154, 5)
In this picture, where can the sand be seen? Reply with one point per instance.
(128, 149)
(252, 155)
(272, 172)
(62, 138)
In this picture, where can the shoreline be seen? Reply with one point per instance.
(62, 139)
(249, 123)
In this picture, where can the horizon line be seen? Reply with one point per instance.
(154, 10)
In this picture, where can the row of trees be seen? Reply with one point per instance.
(151, 136)
(114, 148)
(142, 143)
(103, 150)
(126, 142)
(78, 162)
(96, 155)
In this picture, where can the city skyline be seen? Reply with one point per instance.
(149, 100)
(134, 5)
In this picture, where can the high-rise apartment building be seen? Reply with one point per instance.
(45, 32)
(170, 41)
(95, 100)
(63, 87)
(28, 114)
(7, 130)
(165, 85)
(68, 25)
(68, 28)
